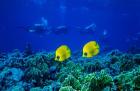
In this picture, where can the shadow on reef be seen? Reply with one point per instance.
(29, 71)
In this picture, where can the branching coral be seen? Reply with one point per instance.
(33, 73)
(99, 82)
(36, 89)
(38, 68)
(34, 60)
(96, 81)
(72, 81)
(70, 69)
(114, 59)
(91, 82)
(67, 88)
(127, 62)
(124, 80)
(92, 67)
(43, 68)
(128, 80)
(136, 83)
(14, 59)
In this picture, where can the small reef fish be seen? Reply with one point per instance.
(91, 49)
(62, 53)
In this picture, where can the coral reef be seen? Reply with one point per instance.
(69, 69)
(36, 89)
(29, 71)
(90, 67)
(136, 82)
(136, 58)
(98, 83)
(72, 81)
(67, 88)
(128, 80)
(17, 88)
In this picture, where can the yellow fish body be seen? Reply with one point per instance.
(62, 53)
(91, 49)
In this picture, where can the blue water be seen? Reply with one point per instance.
(120, 18)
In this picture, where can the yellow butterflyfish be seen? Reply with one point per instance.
(62, 53)
(91, 49)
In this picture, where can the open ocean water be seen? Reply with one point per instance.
(69, 45)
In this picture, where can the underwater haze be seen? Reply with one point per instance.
(119, 19)
(69, 45)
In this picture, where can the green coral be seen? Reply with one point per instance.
(88, 77)
(127, 62)
(67, 88)
(36, 89)
(85, 87)
(74, 76)
(70, 69)
(72, 81)
(128, 80)
(99, 82)
(91, 82)
(74, 69)
(37, 66)
(96, 81)
(136, 82)
(61, 76)
(124, 80)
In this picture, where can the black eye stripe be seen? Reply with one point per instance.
(58, 57)
(85, 54)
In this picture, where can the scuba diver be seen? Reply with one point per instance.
(39, 28)
(43, 28)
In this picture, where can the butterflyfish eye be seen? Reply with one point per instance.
(58, 57)
(85, 54)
